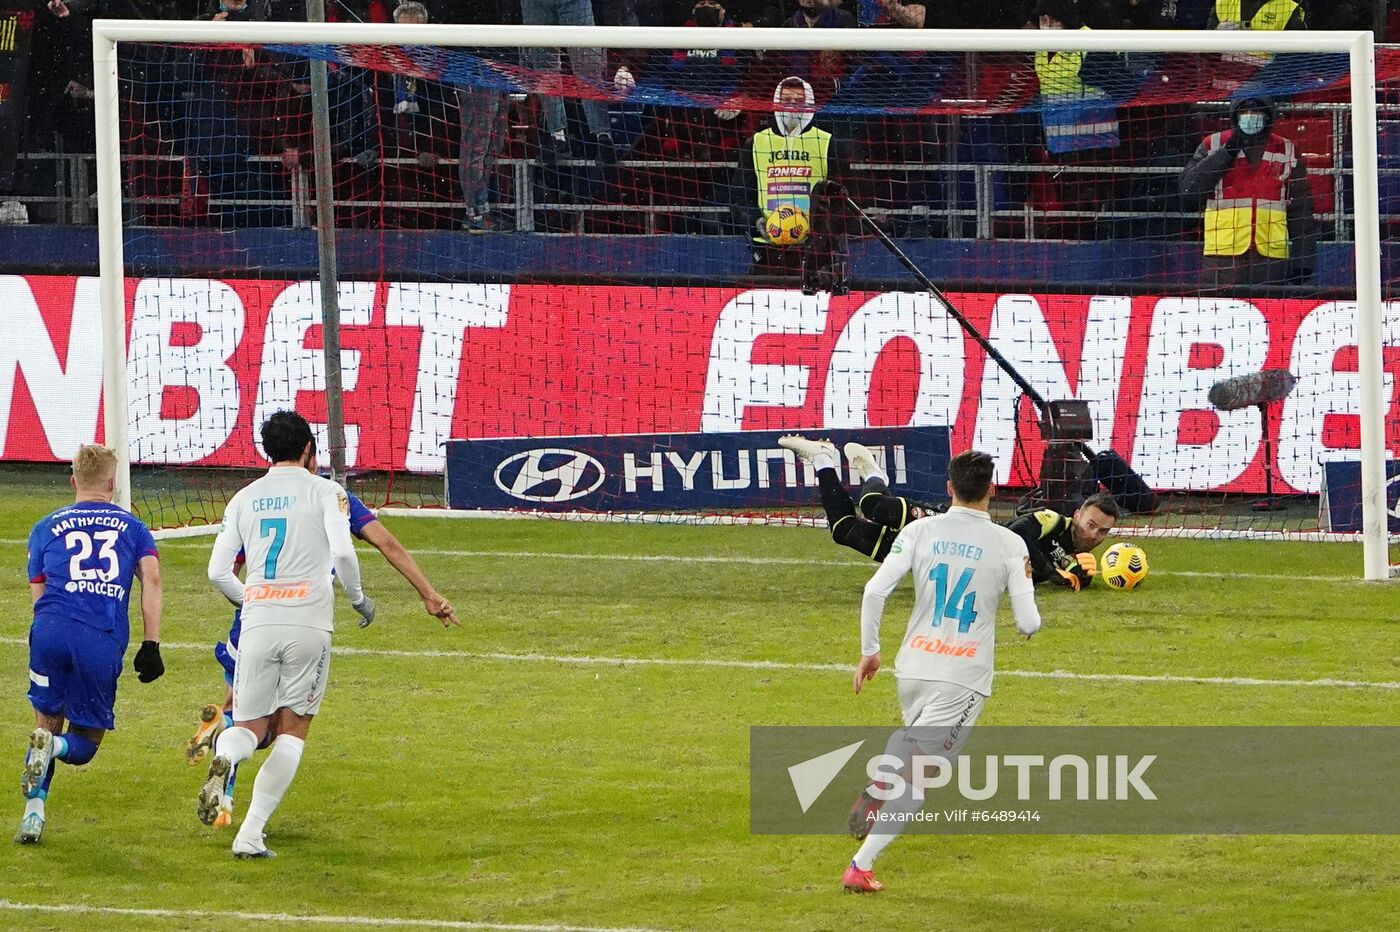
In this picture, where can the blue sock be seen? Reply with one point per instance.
(228, 719)
(228, 786)
(73, 748)
(48, 778)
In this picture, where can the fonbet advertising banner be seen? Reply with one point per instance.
(208, 360)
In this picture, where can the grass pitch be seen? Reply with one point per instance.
(514, 772)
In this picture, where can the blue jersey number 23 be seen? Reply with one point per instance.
(277, 527)
(959, 605)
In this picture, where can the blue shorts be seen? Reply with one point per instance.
(226, 652)
(73, 672)
(226, 660)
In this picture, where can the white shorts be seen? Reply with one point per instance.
(939, 715)
(280, 667)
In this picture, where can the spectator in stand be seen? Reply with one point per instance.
(1080, 127)
(58, 106)
(821, 14)
(1259, 227)
(586, 64)
(896, 79)
(823, 69)
(1257, 14)
(214, 84)
(694, 132)
(1131, 14)
(1070, 83)
(890, 13)
(414, 115)
(615, 12)
(485, 114)
(742, 12)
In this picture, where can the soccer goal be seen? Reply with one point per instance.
(582, 280)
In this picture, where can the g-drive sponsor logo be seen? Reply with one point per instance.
(549, 474)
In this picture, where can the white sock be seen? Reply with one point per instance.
(32, 806)
(270, 786)
(895, 812)
(902, 746)
(823, 460)
(876, 473)
(236, 743)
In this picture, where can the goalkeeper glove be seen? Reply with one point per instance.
(1088, 564)
(148, 665)
(1068, 578)
(366, 609)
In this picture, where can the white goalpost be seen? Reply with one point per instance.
(1365, 220)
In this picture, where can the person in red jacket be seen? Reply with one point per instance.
(1259, 227)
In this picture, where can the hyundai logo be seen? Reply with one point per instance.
(551, 474)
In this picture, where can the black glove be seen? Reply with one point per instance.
(1235, 143)
(148, 665)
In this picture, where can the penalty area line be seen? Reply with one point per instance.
(313, 919)
(725, 663)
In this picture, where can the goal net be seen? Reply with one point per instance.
(602, 253)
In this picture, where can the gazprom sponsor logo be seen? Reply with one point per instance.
(549, 474)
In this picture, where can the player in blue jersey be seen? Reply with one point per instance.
(82, 560)
(214, 719)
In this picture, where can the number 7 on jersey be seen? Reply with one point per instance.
(277, 527)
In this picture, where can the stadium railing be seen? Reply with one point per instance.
(974, 203)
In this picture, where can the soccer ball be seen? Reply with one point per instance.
(1123, 566)
(786, 226)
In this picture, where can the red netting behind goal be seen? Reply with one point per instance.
(527, 252)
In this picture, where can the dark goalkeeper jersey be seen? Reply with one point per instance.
(1049, 537)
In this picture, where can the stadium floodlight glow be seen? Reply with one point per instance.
(1358, 46)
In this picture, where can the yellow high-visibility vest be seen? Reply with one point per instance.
(788, 167)
(1272, 15)
(1250, 204)
(1059, 73)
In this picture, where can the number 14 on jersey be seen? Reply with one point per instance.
(960, 605)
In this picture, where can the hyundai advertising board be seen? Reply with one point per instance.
(691, 472)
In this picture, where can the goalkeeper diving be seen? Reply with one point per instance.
(1061, 546)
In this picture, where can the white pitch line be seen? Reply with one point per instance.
(724, 663)
(372, 921)
(748, 561)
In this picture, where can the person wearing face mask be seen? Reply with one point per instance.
(1258, 215)
(788, 165)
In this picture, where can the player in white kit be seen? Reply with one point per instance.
(293, 527)
(962, 564)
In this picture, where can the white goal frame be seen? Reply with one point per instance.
(1359, 46)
